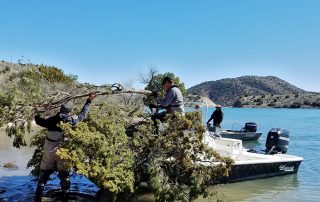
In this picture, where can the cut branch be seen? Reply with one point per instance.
(59, 103)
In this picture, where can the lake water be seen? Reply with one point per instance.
(304, 125)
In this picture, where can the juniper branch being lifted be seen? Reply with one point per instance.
(20, 103)
(115, 89)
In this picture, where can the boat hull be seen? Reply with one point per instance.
(244, 172)
(244, 136)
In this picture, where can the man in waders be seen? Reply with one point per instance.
(50, 160)
(172, 102)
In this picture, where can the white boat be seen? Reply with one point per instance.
(248, 133)
(249, 165)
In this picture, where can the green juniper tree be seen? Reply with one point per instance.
(115, 147)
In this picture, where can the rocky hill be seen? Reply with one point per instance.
(305, 100)
(229, 91)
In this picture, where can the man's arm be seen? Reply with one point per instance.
(84, 112)
(210, 119)
(41, 121)
(48, 123)
(167, 100)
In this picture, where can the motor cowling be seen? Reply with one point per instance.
(277, 141)
(250, 127)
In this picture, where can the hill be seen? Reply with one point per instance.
(228, 91)
(306, 100)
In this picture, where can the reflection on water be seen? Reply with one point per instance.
(260, 189)
(21, 188)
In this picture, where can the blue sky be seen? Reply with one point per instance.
(114, 41)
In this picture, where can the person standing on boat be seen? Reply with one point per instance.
(217, 117)
(171, 102)
(50, 161)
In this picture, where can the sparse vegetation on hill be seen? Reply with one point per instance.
(229, 92)
(307, 100)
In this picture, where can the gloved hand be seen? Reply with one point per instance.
(91, 96)
(154, 94)
(152, 106)
(208, 124)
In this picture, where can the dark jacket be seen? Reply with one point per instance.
(51, 123)
(217, 117)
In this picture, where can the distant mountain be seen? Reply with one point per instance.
(229, 91)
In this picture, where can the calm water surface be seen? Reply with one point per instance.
(304, 124)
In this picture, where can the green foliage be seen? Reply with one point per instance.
(15, 102)
(49, 73)
(156, 83)
(99, 150)
(37, 141)
(176, 164)
(176, 158)
(32, 85)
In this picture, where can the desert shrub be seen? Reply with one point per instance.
(306, 102)
(260, 103)
(316, 104)
(287, 96)
(296, 105)
(5, 70)
(238, 103)
(271, 105)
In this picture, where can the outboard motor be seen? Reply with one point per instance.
(277, 141)
(250, 127)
